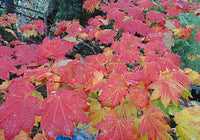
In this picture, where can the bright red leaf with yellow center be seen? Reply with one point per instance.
(116, 129)
(167, 89)
(153, 124)
(183, 33)
(60, 111)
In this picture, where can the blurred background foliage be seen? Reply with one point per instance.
(188, 50)
(72, 9)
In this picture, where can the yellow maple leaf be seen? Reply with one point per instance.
(193, 76)
(37, 94)
(12, 32)
(191, 57)
(22, 136)
(126, 110)
(89, 129)
(5, 85)
(1, 135)
(97, 113)
(188, 123)
(29, 33)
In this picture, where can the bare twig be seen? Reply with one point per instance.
(89, 46)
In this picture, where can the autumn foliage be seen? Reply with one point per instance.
(125, 93)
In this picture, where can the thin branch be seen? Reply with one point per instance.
(89, 46)
(55, 73)
(26, 15)
(28, 9)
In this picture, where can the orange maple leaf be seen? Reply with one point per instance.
(139, 96)
(167, 89)
(91, 5)
(116, 129)
(153, 124)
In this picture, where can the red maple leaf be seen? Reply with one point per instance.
(167, 89)
(174, 58)
(197, 36)
(155, 16)
(59, 113)
(27, 27)
(7, 65)
(18, 113)
(62, 27)
(15, 43)
(135, 13)
(157, 48)
(139, 97)
(173, 11)
(137, 26)
(38, 74)
(72, 73)
(97, 62)
(55, 48)
(163, 63)
(127, 48)
(176, 22)
(115, 14)
(20, 87)
(5, 51)
(150, 72)
(145, 4)
(26, 54)
(116, 129)
(153, 124)
(105, 36)
(98, 21)
(39, 26)
(114, 64)
(91, 5)
(115, 88)
(75, 29)
(152, 37)
(113, 91)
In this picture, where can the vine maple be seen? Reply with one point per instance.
(122, 93)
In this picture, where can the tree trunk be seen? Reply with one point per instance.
(51, 12)
(9, 6)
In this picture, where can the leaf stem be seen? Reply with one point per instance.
(55, 73)
(89, 47)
